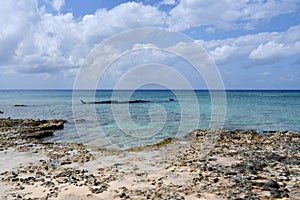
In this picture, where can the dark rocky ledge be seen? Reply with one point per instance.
(29, 128)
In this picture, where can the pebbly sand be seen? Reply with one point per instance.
(207, 164)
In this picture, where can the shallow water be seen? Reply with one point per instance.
(96, 124)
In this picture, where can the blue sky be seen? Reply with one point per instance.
(254, 43)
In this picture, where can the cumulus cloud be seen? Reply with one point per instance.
(261, 48)
(286, 45)
(224, 14)
(168, 2)
(16, 18)
(270, 50)
(222, 53)
(33, 40)
(58, 4)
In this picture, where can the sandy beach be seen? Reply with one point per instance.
(206, 164)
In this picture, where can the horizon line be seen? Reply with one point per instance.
(162, 89)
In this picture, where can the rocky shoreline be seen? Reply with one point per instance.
(207, 164)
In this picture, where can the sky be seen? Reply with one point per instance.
(255, 44)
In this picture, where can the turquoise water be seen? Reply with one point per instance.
(259, 110)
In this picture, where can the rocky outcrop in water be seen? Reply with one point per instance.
(20, 105)
(29, 128)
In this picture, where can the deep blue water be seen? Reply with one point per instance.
(96, 124)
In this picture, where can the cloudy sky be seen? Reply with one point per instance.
(254, 43)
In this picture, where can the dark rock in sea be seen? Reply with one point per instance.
(20, 105)
(1, 112)
(115, 102)
(80, 120)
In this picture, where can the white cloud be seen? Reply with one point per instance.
(16, 18)
(226, 14)
(35, 41)
(270, 50)
(143, 46)
(58, 4)
(261, 48)
(221, 54)
(276, 48)
(168, 2)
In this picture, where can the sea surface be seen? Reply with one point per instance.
(130, 125)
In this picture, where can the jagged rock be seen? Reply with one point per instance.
(52, 125)
(271, 185)
(28, 128)
(275, 193)
(40, 134)
(293, 160)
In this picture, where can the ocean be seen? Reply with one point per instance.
(129, 125)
